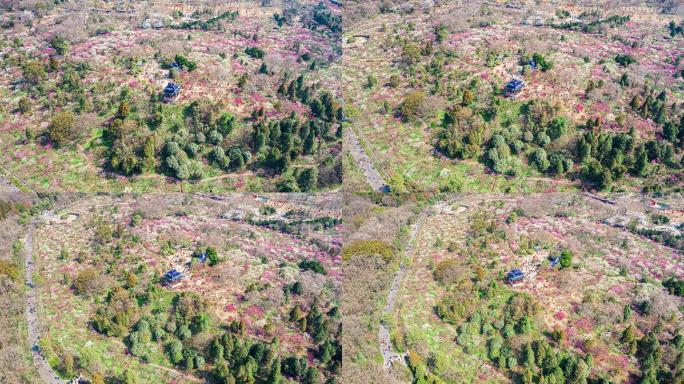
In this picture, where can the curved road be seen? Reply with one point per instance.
(384, 341)
(46, 372)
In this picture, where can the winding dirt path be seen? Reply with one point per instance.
(384, 341)
(46, 372)
(178, 374)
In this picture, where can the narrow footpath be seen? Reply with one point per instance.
(363, 162)
(384, 340)
(5, 185)
(46, 372)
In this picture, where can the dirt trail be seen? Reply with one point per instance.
(361, 158)
(388, 356)
(6, 184)
(178, 374)
(7, 187)
(46, 372)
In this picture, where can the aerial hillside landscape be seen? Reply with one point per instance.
(152, 96)
(341, 192)
(553, 288)
(236, 289)
(516, 96)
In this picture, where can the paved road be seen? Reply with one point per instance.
(46, 372)
(361, 158)
(388, 356)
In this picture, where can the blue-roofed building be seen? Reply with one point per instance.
(172, 276)
(202, 257)
(513, 87)
(171, 91)
(554, 261)
(514, 276)
(532, 63)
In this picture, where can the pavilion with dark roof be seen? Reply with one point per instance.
(172, 276)
(171, 91)
(513, 87)
(514, 276)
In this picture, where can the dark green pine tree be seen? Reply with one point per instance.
(641, 161)
(311, 376)
(275, 376)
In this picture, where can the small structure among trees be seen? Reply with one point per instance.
(171, 92)
(172, 277)
(513, 87)
(515, 276)
(207, 255)
(202, 257)
(554, 260)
